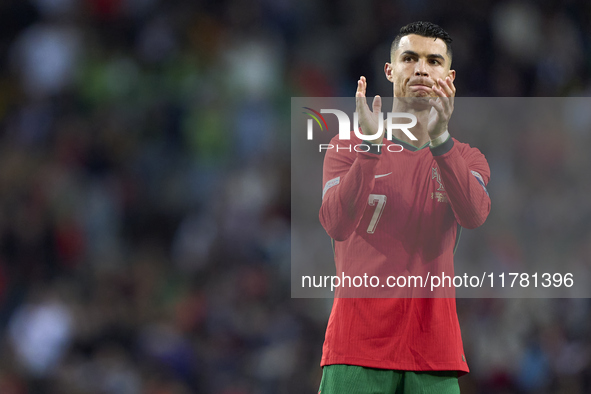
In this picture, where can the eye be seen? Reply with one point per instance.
(407, 59)
(434, 61)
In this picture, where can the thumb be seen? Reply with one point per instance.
(377, 104)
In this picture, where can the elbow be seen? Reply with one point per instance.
(339, 236)
(338, 233)
(472, 224)
(475, 220)
(336, 229)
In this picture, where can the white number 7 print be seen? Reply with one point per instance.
(380, 199)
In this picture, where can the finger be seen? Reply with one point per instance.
(451, 85)
(360, 96)
(444, 84)
(377, 104)
(448, 87)
(441, 88)
(443, 97)
(436, 103)
(438, 90)
(360, 90)
(363, 84)
(450, 82)
(450, 91)
(446, 105)
(360, 100)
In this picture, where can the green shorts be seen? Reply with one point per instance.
(352, 379)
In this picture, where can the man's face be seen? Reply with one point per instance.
(416, 65)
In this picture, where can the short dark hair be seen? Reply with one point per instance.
(425, 29)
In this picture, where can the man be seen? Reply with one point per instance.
(400, 212)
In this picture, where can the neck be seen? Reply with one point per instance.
(420, 130)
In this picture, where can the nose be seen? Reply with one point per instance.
(421, 69)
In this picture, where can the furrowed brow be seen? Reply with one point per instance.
(430, 56)
(436, 56)
(409, 53)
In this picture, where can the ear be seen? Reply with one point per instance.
(389, 71)
(452, 74)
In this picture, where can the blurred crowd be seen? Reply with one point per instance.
(145, 189)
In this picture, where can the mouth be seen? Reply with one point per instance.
(420, 88)
(420, 91)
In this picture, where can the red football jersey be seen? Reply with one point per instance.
(399, 213)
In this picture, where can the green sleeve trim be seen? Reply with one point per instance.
(443, 148)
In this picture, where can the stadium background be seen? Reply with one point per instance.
(145, 191)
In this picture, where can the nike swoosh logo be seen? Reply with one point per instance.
(379, 176)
